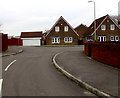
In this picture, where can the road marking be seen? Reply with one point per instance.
(1, 80)
(10, 65)
(87, 93)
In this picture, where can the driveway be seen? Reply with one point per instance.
(32, 74)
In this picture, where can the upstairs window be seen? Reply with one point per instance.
(112, 27)
(66, 28)
(57, 29)
(103, 27)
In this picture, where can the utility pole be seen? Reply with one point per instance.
(94, 19)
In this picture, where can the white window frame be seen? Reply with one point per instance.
(112, 27)
(55, 40)
(57, 29)
(103, 27)
(68, 39)
(116, 38)
(66, 28)
(112, 38)
(102, 37)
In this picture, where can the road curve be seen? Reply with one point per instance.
(34, 75)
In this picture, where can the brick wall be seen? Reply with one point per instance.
(14, 42)
(108, 53)
(3, 42)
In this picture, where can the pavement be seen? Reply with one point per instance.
(12, 50)
(97, 77)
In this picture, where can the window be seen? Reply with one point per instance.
(57, 28)
(65, 28)
(68, 39)
(107, 20)
(65, 39)
(102, 38)
(114, 38)
(103, 27)
(56, 40)
(112, 27)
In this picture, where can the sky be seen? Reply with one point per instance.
(17, 16)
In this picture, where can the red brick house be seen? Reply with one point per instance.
(81, 29)
(31, 38)
(107, 29)
(62, 33)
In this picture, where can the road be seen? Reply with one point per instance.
(32, 74)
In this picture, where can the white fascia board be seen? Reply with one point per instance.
(37, 38)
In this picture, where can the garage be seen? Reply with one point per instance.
(31, 38)
(32, 42)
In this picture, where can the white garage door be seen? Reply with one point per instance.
(33, 42)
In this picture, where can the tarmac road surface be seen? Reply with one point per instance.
(31, 73)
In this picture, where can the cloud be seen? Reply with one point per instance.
(21, 15)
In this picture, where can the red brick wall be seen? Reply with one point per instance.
(108, 53)
(3, 42)
(87, 49)
(14, 42)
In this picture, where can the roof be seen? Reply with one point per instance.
(31, 34)
(81, 26)
(81, 29)
(57, 22)
(90, 29)
(99, 21)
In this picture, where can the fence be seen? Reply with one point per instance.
(14, 42)
(108, 53)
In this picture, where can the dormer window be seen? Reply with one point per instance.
(112, 27)
(103, 27)
(65, 28)
(57, 29)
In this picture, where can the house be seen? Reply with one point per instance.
(62, 33)
(81, 29)
(107, 29)
(31, 38)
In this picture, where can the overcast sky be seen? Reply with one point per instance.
(40, 15)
